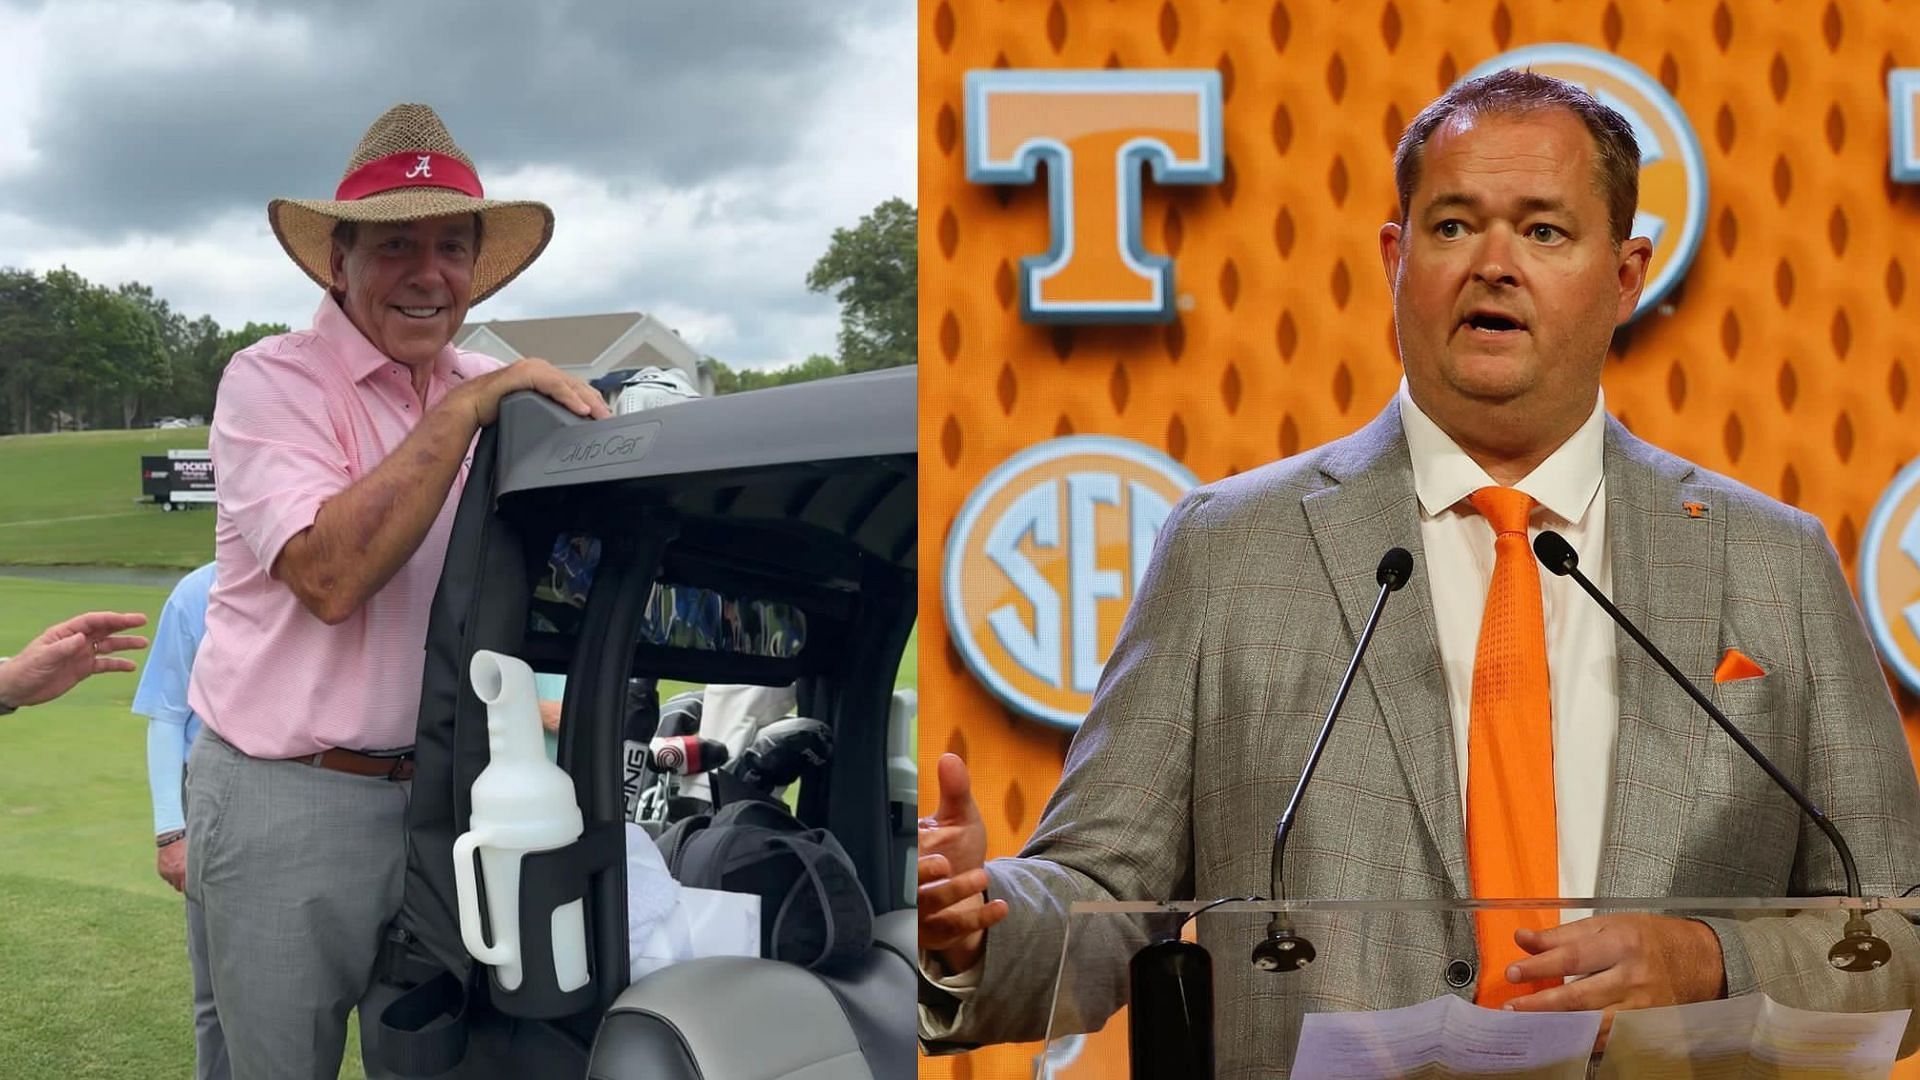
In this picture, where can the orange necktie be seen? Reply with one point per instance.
(1512, 842)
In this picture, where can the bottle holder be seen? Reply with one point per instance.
(549, 880)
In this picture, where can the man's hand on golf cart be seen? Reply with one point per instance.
(485, 392)
(953, 907)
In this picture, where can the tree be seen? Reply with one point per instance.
(80, 354)
(26, 346)
(107, 344)
(147, 372)
(130, 357)
(728, 381)
(872, 269)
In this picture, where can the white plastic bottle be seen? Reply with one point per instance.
(521, 803)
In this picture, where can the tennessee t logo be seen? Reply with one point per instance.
(1903, 88)
(1094, 130)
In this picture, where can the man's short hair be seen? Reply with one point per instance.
(1616, 153)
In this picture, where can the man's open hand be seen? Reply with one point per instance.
(68, 652)
(954, 910)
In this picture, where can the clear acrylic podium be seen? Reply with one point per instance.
(1386, 954)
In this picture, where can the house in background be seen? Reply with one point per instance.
(592, 348)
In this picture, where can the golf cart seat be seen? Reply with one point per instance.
(695, 1020)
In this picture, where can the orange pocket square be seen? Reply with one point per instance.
(1735, 666)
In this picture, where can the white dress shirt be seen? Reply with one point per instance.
(1570, 490)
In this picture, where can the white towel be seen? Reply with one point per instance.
(652, 893)
(668, 922)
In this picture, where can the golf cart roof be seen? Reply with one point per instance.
(869, 415)
(836, 454)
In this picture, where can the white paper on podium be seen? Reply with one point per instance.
(1712, 1039)
(1445, 1037)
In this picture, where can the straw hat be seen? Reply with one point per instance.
(406, 168)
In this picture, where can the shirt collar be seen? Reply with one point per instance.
(1564, 484)
(357, 354)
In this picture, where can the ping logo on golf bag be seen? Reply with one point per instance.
(1673, 171)
(1094, 130)
(1889, 576)
(1043, 561)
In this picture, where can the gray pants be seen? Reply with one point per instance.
(209, 1047)
(297, 870)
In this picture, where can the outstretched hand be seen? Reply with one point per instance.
(66, 653)
(954, 910)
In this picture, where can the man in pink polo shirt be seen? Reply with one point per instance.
(341, 452)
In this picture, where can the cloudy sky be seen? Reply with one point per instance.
(698, 154)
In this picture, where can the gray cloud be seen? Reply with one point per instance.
(697, 155)
(204, 114)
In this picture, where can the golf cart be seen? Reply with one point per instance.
(789, 517)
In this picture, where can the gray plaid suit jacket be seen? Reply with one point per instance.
(1232, 650)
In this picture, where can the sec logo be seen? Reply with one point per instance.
(1890, 576)
(1043, 561)
(1673, 171)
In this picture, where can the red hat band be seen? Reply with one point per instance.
(413, 168)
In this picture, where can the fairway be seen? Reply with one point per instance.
(74, 499)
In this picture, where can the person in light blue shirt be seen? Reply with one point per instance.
(171, 728)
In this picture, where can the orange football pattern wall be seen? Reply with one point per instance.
(1784, 358)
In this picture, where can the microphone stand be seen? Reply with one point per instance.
(1859, 949)
(1283, 949)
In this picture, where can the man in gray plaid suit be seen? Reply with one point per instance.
(1510, 267)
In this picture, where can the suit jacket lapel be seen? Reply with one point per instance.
(1667, 566)
(1369, 508)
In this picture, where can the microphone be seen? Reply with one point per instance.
(685, 755)
(1858, 949)
(1283, 949)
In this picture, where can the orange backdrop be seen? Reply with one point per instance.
(1784, 358)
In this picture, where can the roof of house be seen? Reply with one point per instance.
(567, 341)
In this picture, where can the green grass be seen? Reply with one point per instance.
(93, 964)
(74, 498)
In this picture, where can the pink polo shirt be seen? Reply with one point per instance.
(299, 417)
